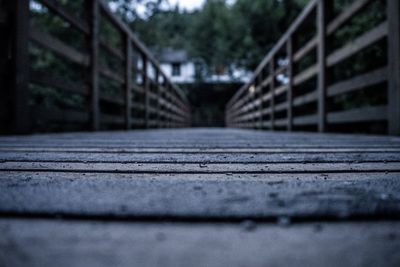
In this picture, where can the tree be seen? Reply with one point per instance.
(128, 9)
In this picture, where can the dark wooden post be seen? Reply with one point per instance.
(158, 106)
(272, 92)
(128, 83)
(393, 7)
(93, 20)
(321, 26)
(290, 84)
(147, 91)
(4, 60)
(260, 96)
(17, 87)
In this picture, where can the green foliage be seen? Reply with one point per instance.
(220, 34)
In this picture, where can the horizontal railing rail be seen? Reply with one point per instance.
(144, 95)
(297, 85)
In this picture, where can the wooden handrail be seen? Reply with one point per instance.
(321, 119)
(176, 115)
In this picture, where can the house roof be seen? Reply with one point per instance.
(169, 55)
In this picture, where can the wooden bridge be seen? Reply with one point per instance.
(200, 197)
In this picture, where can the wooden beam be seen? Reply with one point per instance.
(394, 67)
(359, 82)
(159, 88)
(306, 75)
(58, 9)
(358, 44)
(365, 114)
(128, 82)
(272, 92)
(57, 82)
(112, 75)
(289, 100)
(94, 63)
(20, 67)
(307, 48)
(322, 70)
(259, 97)
(306, 120)
(5, 33)
(349, 13)
(58, 47)
(146, 85)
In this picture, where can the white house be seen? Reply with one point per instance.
(181, 69)
(176, 65)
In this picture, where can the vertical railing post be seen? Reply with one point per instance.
(260, 96)
(272, 92)
(290, 84)
(18, 89)
(93, 20)
(158, 106)
(147, 91)
(393, 9)
(128, 83)
(321, 26)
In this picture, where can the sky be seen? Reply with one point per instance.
(187, 4)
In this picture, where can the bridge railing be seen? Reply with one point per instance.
(114, 82)
(332, 69)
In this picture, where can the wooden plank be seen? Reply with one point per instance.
(61, 116)
(188, 196)
(348, 13)
(78, 167)
(197, 149)
(112, 50)
(356, 83)
(366, 114)
(110, 74)
(79, 243)
(305, 99)
(138, 89)
(93, 19)
(226, 158)
(307, 48)
(58, 9)
(49, 80)
(281, 122)
(394, 67)
(112, 119)
(305, 120)
(322, 19)
(20, 122)
(118, 100)
(281, 107)
(305, 75)
(58, 47)
(358, 44)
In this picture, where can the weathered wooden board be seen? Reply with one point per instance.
(221, 196)
(191, 157)
(42, 243)
(203, 167)
(185, 198)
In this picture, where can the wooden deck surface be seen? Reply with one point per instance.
(199, 197)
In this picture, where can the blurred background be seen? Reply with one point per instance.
(208, 47)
